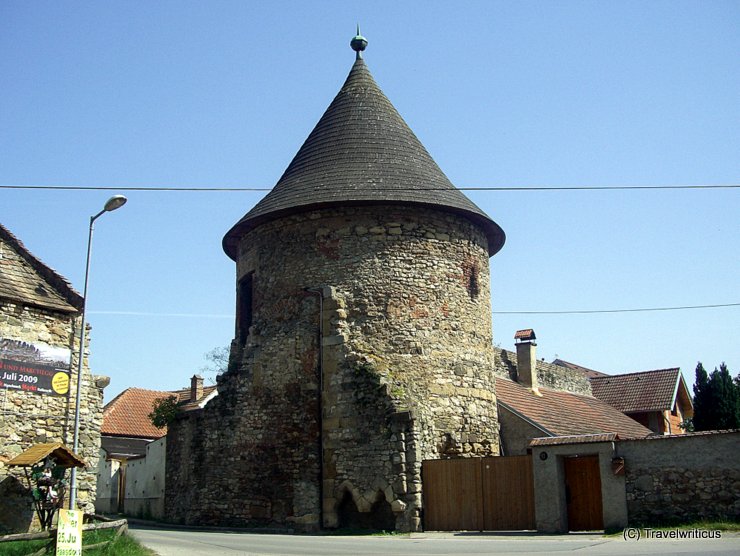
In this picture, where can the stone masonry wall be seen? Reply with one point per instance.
(682, 478)
(406, 364)
(548, 375)
(27, 419)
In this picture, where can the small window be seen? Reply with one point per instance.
(244, 307)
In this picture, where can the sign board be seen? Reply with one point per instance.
(34, 367)
(69, 533)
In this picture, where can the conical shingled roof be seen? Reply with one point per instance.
(361, 152)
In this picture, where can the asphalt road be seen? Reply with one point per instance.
(180, 542)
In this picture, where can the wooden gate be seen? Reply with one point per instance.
(583, 493)
(476, 494)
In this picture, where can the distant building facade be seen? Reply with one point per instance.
(132, 466)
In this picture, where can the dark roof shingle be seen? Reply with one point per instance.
(590, 373)
(25, 278)
(361, 152)
(642, 391)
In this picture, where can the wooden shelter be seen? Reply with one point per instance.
(44, 466)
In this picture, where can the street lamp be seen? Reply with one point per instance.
(115, 202)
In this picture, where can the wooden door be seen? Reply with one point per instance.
(121, 491)
(583, 493)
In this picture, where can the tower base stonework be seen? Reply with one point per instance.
(330, 435)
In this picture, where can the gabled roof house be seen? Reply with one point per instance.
(132, 468)
(658, 399)
(127, 429)
(535, 401)
(554, 413)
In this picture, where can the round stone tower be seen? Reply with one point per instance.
(363, 338)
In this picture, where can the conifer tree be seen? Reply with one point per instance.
(716, 400)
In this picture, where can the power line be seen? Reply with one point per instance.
(596, 311)
(472, 188)
(570, 312)
(150, 314)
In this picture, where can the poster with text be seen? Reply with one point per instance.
(34, 367)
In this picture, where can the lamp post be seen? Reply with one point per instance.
(117, 201)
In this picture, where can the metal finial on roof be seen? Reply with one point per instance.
(358, 43)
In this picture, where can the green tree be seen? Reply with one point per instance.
(164, 411)
(716, 400)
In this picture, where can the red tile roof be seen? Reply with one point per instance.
(580, 439)
(128, 413)
(637, 392)
(526, 334)
(565, 414)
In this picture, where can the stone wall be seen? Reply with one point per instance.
(516, 433)
(27, 419)
(663, 480)
(548, 375)
(333, 433)
(682, 478)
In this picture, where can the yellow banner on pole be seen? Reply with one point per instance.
(69, 533)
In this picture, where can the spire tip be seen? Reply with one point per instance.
(358, 43)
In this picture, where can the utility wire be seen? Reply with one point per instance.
(572, 312)
(596, 311)
(483, 188)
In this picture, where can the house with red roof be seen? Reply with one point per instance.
(537, 400)
(554, 413)
(603, 447)
(127, 428)
(658, 399)
(131, 473)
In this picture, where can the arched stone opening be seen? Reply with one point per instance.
(379, 518)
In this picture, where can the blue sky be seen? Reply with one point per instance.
(502, 94)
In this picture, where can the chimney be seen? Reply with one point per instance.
(526, 359)
(196, 388)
